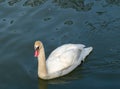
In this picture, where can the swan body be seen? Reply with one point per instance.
(61, 61)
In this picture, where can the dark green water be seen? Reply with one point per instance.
(55, 22)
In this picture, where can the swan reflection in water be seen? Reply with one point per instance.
(75, 75)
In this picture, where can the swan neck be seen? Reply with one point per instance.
(42, 70)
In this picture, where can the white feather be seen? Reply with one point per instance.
(65, 58)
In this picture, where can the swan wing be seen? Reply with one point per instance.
(63, 57)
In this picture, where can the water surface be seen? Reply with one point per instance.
(55, 22)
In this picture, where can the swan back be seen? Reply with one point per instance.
(66, 58)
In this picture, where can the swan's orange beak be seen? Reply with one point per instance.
(36, 53)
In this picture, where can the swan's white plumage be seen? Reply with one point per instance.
(61, 61)
(65, 58)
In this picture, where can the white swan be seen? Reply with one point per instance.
(61, 61)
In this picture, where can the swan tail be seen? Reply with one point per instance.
(86, 52)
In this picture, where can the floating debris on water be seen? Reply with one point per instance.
(101, 12)
(11, 22)
(68, 22)
(12, 2)
(4, 19)
(46, 19)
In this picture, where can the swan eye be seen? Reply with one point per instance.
(37, 48)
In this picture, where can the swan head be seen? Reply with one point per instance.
(37, 47)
